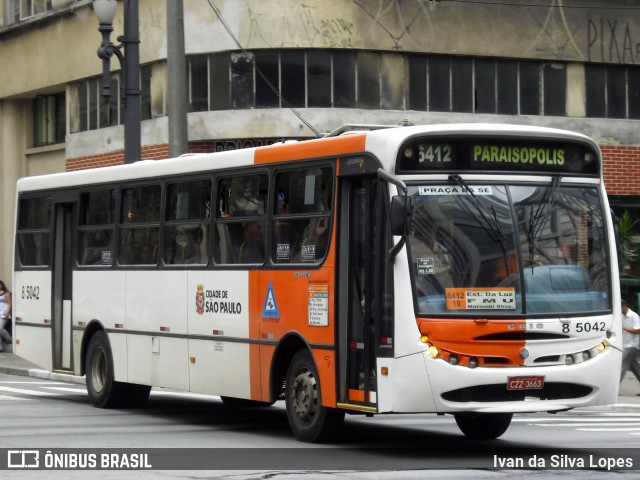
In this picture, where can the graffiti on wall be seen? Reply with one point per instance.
(612, 41)
(554, 31)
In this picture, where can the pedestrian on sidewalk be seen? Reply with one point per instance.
(5, 315)
(630, 341)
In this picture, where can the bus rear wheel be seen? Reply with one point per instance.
(103, 390)
(483, 426)
(309, 420)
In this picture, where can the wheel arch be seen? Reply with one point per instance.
(286, 348)
(93, 327)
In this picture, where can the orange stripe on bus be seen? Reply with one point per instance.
(356, 395)
(497, 339)
(257, 393)
(311, 149)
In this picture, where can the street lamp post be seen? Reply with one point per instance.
(105, 10)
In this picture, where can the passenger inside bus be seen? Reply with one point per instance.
(98, 249)
(252, 247)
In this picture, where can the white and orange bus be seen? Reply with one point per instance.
(463, 269)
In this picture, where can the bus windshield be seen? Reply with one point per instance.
(500, 249)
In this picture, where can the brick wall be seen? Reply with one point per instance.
(154, 152)
(621, 169)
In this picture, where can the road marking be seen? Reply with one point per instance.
(28, 392)
(80, 391)
(9, 397)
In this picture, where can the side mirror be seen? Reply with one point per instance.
(400, 215)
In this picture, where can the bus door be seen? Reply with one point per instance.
(365, 321)
(62, 334)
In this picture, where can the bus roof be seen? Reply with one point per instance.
(382, 142)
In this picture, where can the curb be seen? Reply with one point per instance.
(42, 374)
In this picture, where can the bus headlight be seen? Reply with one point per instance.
(473, 362)
(433, 352)
(453, 360)
(568, 360)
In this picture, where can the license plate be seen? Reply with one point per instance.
(525, 383)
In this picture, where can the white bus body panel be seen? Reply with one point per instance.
(33, 306)
(219, 333)
(100, 296)
(156, 331)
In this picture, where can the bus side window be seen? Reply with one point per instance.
(240, 224)
(302, 211)
(33, 234)
(140, 225)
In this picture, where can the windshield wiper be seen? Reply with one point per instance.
(494, 229)
(494, 225)
(536, 219)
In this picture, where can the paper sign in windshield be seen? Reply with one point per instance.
(497, 298)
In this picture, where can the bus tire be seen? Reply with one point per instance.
(309, 420)
(483, 426)
(103, 390)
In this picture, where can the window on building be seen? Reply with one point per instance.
(319, 79)
(373, 80)
(393, 81)
(439, 84)
(344, 79)
(199, 83)
(242, 80)
(368, 79)
(293, 77)
(507, 88)
(23, 9)
(616, 92)
(267, 79)
(485, 85)
(633, 83)
(596, 82)
(555, 89)
(417, 86)
(220, 87)
(529, 87)
(145, 92)
(49, 119)
(462, 84)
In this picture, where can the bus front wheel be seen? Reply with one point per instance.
(103, 390)
(483, 426)
(309, 420)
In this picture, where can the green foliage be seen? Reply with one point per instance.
(627, 227)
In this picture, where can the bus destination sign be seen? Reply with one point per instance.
(497, 154)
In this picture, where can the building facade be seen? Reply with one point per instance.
(258, 72)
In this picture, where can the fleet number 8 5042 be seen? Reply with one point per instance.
(31, 292)
(580, 327)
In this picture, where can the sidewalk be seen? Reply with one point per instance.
(14, 365)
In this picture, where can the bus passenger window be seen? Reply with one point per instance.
(97, 247)
(252, 246)
(34, 223)
(240, 226)
(302, 210)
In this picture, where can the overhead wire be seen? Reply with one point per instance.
(262, 75)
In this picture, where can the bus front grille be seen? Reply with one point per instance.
(499, 393)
